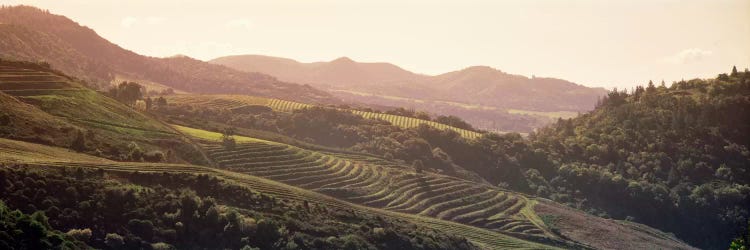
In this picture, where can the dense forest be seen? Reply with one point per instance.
(670, 157)
(77, 208)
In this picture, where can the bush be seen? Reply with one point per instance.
(114, 240)
(80, 234)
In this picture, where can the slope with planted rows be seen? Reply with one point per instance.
(45, 106)
(238, 101)
(39, 155)
(378, 184)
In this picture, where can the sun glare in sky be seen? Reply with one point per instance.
(594, 43)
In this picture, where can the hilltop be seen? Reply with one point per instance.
(31, 34)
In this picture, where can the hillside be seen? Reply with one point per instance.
(32, 34)
(491, 87)
(42, 105)
(674, 158)
(484, 96)
(339, 73)
(151, 206)
(238, 103)
(377, 183)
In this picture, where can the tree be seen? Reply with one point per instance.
(80, 234)
(149, 103)
(136, 153)
(227, 138)
(734, 71)
(651, 88)
(127, 92)
(161, 102)
(418, 166)
(114, 241)
(79, 143)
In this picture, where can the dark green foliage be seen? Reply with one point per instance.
(161, 102)
(149, 103)
(79, 142)
(418, 166)
(227, 138)
(742, 242)
(22, 231)
(157, 211)
(127, 92)
(454, 121)
(673, 158)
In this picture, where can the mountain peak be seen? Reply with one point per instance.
(481, 69)
(343, 60)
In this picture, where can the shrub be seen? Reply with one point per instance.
(80, 234)
(114, 240)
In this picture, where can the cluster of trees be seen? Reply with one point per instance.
(131, 92)
(156, 211)
(23, 231)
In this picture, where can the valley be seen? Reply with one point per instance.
(105, 148)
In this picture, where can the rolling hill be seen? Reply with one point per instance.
(62, 158)
(44, 106)
(31, 34)
(377, 183)
(237, 102)
(482, 95)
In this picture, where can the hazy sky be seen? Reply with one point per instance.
(594, 42)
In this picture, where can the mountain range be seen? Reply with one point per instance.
(477, 85)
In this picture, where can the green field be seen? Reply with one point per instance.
(235, 101)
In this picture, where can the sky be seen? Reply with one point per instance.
(591, 42)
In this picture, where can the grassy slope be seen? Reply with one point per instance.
(611, 234)
(25, 122)
(68, 106)
(34, 154)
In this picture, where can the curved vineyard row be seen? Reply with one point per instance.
(63, 158)
(17, 79)
(381, 186)
(236, 101)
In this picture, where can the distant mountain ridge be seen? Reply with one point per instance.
(28, 33)
(479, 85)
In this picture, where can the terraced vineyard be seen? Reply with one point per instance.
(9, 152)
(237, 101)
(63, 97)
(18, 80)
(380, 184)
